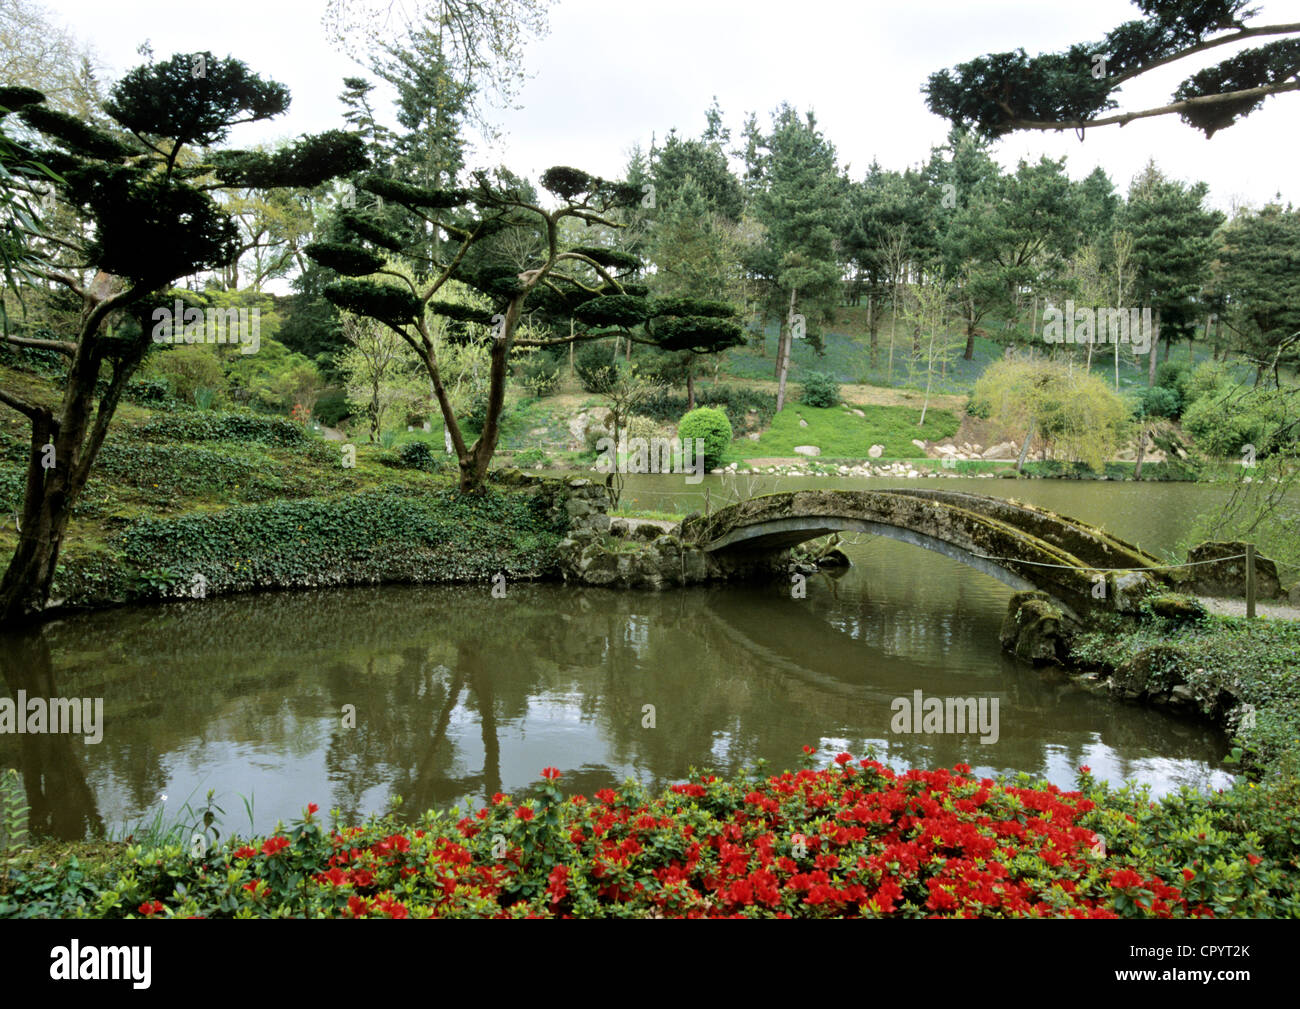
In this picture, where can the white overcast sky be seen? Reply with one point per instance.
(610, 74)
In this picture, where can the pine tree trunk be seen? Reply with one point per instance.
(873, 325)
(1151, 353)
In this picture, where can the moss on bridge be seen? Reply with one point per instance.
(1023, 546)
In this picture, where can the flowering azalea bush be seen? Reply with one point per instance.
(853, 839)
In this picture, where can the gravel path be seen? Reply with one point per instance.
(1237, 608)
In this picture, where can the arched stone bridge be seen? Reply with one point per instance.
(1025, 547)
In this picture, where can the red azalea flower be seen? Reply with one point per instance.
(151, 907)
(274, 844)
(311, 808)
(244, 852)
(1085, 769)
(843, 758)
(550, 773)
(1189, 875)
(524, 813)
(358, 906)
(1254, 859)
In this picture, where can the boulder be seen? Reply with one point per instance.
(1223, 576)
(919, 443)
(1002, 450)
(876, 451)
(809, 450)
(1033, 629)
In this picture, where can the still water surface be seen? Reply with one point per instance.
(458, 694)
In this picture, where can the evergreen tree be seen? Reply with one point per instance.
(1173, 246)
(801, 206)
(1260, 280)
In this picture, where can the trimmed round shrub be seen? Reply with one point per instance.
(711, 424)
(819, 389)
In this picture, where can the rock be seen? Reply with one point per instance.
(856, 412)
(919, 444)
(802, 422)
(1127, 589)
(753, 436)
(809, 450)
(1178, 609)
(1002, 450)
(618, 527)
(876, 451)
(1182, 694)
(1033, 629)
(1152, 672)
(1224, 577)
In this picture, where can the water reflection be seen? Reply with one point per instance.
(459, 694)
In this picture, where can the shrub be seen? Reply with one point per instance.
(711, 424)
(532, 458)
(540, 374)
(594, 367)
(332, 408)
(418, 455)
(979, 408)
(187, 368)
(820, 389)
(1176, 377)
(1228, 418)
(1158, 401)
(155, 392)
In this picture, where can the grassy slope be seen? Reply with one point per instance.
(841, 434)
(142, 476)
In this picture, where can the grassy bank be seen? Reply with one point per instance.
(185, 502)
(1242, 674)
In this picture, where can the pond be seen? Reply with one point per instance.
(346, 697)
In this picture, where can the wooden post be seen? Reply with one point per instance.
(1250, 581)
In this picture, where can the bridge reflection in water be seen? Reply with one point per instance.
(460, 694)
